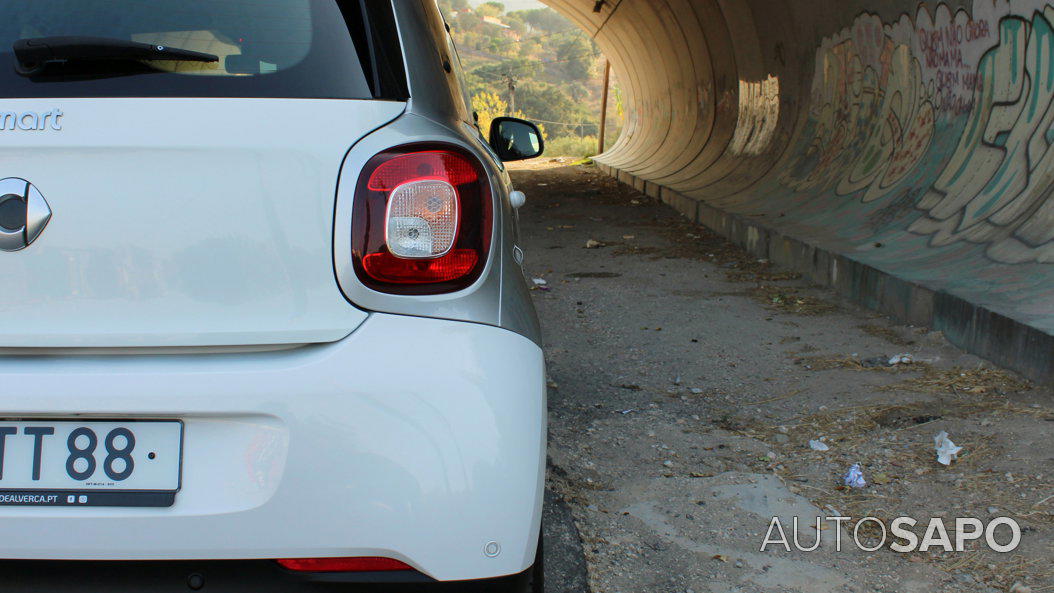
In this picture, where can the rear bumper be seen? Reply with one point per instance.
(417, 439)
(215, 576)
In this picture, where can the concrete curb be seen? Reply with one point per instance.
(974, 328)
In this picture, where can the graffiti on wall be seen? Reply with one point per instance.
(873, 117)
(996, 188)
(984, 81)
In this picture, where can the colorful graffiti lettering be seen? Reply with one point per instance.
(881, 92)
(899, 135)
(996, 188)
(875, 119)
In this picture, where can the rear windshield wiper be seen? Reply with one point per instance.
(35, 54)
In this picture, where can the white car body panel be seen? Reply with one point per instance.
(417, 439)
(169, 215)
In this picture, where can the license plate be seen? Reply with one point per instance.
(77, 463)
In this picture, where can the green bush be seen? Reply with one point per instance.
(575, 146)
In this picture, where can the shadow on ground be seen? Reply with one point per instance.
(687, 378)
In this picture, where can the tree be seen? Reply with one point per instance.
(549, 102)
(542, 68)
(517, 68)
(488, 106)
(449, 6)
(577, 91)
(491, 9)
(508, 73)
(466, 28)
(546, 19)
(519, 26)
(576, 56)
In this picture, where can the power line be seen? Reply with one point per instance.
(533, 37)
(494, 76)
(588, 52)
(562, 123)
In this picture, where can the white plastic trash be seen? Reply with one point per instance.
(855, 477)
(947, 451)
(901, 359)
(818, 445)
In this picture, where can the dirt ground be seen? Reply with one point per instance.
(687, 379)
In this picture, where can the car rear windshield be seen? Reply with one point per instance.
(343, 49)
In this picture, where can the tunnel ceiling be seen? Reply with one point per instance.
(912, 138)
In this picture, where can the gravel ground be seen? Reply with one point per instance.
(686, 381)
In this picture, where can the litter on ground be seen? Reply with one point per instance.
(947, 451)
(855, 477)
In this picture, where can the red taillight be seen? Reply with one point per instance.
(365, 564)
(388, 268)
(430, 164)
(422, 220)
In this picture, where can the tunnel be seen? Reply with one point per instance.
(898, 152)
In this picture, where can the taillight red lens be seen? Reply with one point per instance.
(389, 268)
(422, 220)
(364, 564)
(447, 166)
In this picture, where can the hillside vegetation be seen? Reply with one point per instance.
(537, 65)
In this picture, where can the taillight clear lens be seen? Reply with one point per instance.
(422, 220)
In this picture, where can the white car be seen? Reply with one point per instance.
(264, 322)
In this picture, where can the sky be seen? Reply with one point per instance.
(511, 5)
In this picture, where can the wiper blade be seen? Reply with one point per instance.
(35, 54)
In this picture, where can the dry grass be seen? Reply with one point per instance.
(790, 300)
(954, 381)
(826, 363)
(691, 241)
(1000, 573)
(904, 481)
(886, 334)
(980, 381)
(630, 249)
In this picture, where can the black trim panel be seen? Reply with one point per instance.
(214, 576)
(87, 498)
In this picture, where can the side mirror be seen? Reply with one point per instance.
(515, 139)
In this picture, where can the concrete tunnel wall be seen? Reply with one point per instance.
(898, 151)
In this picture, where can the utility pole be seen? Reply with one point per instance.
(512, 92)
(604, 106)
